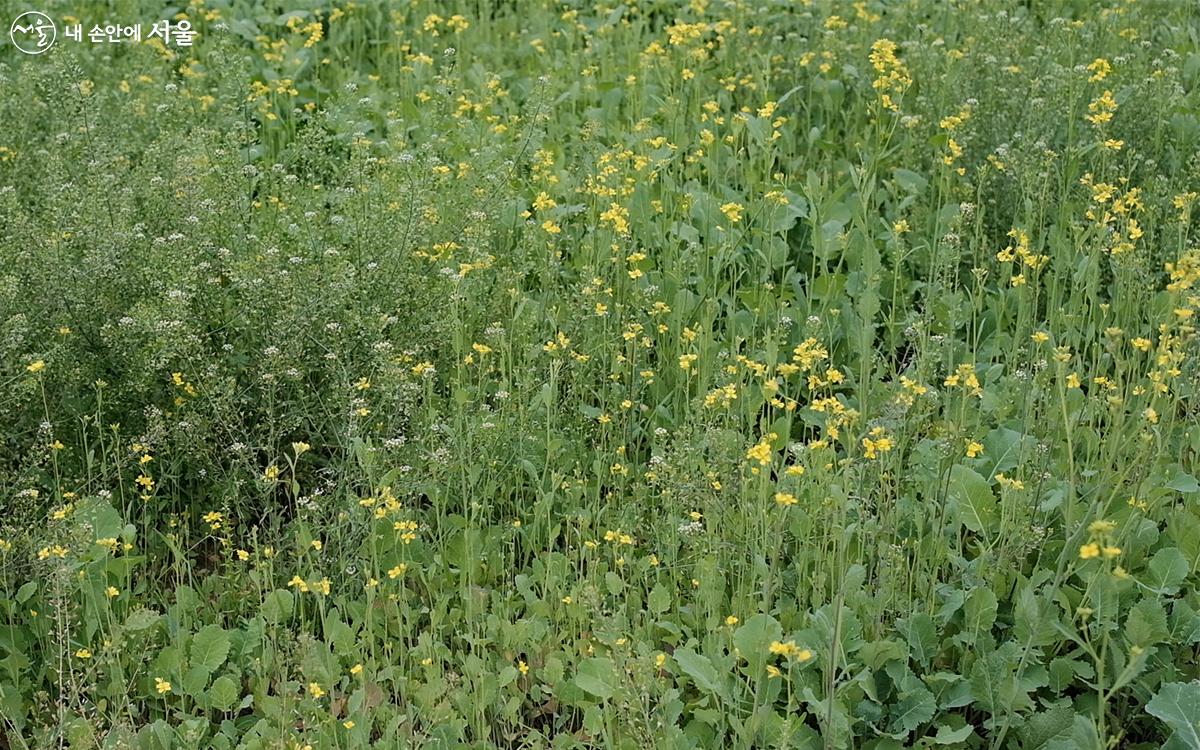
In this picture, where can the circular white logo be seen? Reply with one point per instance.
(33, 33)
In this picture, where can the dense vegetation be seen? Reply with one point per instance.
(724, 373)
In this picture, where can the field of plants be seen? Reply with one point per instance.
(556, 374)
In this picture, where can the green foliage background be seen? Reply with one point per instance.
(556, 374)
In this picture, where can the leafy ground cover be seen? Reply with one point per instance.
(555, 374)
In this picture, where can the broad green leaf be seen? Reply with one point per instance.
(701, 670)
(921, 634)
(278, 606)
(878, 653)
(1002, 448)
(506, 676)
(13, 704)
(223, 694)
(1183, 526)
(1043, 729)
(1167, 569)
(753, 640)
(979, 613)
(341, 636)
(1147, 623)
(141, 619)
(659, 599)
(105, 521)
(910, 180)
(210, 646)
(597, 676)
(947, 736)
(27, 590)
(914, 709)
(1177, 704)
(195, 680)
(1184, 483)
(1064, 671)
(1034, 619)
(994, 684)
(976, 503)
(1185, 624)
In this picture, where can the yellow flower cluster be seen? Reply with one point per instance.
(1184, 272)
(1019, 252)
(909, 391)
(1101, 109)
(808, 353)
(964, 377)
(892, 78)
(762, 451)
(1099, 68)
(789, 650)
(721, 396)
(323, 586)
(1099, 544)
(618, 537)
(1114, 210)
(877, 441)
(54, 550)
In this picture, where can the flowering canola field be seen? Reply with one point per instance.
(709, 374)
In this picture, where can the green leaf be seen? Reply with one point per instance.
(210, 646)
(1168, 569)
(341, 636)
(141, 619)
(994, 684)
(1003, 448)
(659, 599)
(223, 693)
(1038, 731)
(168, 663)
(105, 521)
(597, 676)
(1184, 529)
(12, 704)
(1185, 624)
(947, 736)
(1147, 623)
(1034, 619)
(876, 654)
(921, 634)
(26, 591)
(1177, 704)
(979, 611)
(785, 217)
(701, 670)
(195, 680)
(977, 504)
(914, 709)
(685, 232)
(506, 676)
(1064, 671)
(1184, 483)
(318, 664)
(909, 180)
(278, 606)
(753, 640)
